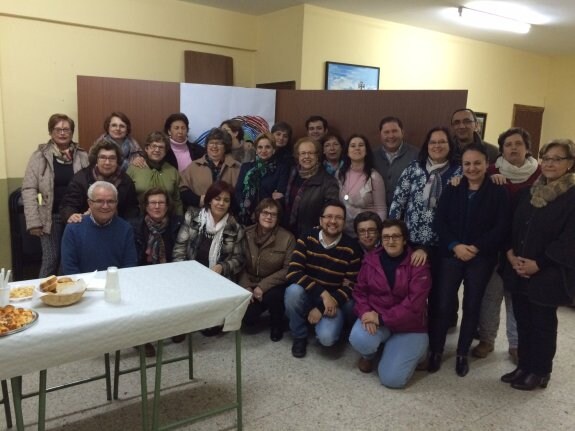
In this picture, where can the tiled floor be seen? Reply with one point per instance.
(323, 391)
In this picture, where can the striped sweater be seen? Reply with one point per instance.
(316, 268)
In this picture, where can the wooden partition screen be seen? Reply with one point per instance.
(146, 103)
(205, 68)
(352, 111)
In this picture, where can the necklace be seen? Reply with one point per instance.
(347, 190)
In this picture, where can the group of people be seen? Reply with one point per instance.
(333, 234)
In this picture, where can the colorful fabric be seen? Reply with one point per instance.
(64, 157)
(156, 249)
(251, 187)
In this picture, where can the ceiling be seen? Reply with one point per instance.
(557, 37)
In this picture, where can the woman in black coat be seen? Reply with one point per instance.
(541, 263)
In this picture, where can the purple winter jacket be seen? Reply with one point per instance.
(401, 309)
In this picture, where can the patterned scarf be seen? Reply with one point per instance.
(543, 192)
(251, 188)
(216, 170)
(64, 157)
(434, 186)
(306, 174)
(156, 249)
(330, 169)
(115, 178)
(213, 230)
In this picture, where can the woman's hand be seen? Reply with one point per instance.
(258, 294)
(525, 267)
(498, 179)
(314, 316)
(418, 257)
(218, 268)
(36, 231)
(512, 258)
(277, 195)
(370, 322)
(454, 181)
(139, 162)
(465, 252)
(75, 218)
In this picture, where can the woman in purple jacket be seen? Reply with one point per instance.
(391, 304)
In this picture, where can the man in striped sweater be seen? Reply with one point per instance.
(321, 273)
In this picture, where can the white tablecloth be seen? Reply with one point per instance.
(158, 301)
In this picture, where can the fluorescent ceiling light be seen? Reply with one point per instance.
(511, 10)
(476, 18)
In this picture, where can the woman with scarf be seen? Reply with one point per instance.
(263, 178)
(516, 169)
(50, 169)
(268, 248)
(105, 160)
(361, 188)
(216, 165)
(157, 172)
(309, 188)
(180, 152)
(541, 272)
(212, 236)
(117, 128)
(332, 156)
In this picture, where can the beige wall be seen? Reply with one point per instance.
(558, 120)
(412, 58)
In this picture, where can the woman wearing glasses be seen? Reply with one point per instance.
(309, 188)
(105, 160)
(391, 304)
(367, 226)
(157, 172)
(50, 169)
(541, 272)
(216, 165)
(268, 248)
(361, 188)
(472, 220)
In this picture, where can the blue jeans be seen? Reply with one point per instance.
(475, 274)
(298, 305)
(401, 354)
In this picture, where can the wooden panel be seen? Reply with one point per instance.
(281, 85)
(531, 119)
(146, 103)
(204, 68)
(361, 111)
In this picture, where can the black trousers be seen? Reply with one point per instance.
(272, 300)
(537, 332)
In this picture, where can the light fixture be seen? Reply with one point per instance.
(491, 21)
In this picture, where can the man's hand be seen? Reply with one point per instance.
(314, 316)
(329, 303)
(465, 252)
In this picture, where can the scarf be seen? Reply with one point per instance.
(156, 249)
(434, 185)
(216, 170)
(513, 173)
(543, 192)
(115, 178)
(330, 169)
(64, 157)
(251, 187)
(305, 174)
(213, 230)
(261, 238)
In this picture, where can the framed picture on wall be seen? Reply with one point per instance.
(343, 76)
(481, 123)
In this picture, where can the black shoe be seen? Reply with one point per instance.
(299, 347)
(178, 338)
(276, 333)
(531, 381)
(515, 375)
(434, 362)
(212, 332)
(461, 365)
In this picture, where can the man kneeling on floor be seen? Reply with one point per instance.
(323, 268)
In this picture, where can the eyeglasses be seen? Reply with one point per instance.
(367, 232)
(438, 142)
(553, 160)
(215, 144)
(60, 131)
(466, 122)
(154, 147)
(102, 202)
(108, 158)
(118, 126)
(333, 217)
(269, 214)
(306, 153)
(393, 237)
(156, 203)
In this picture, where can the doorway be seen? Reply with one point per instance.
(529, 118)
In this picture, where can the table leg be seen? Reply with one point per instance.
(143, 386)
(42, 401)
(190, 357)
(16, 383)
(116, 373)
(107, 372)
(157, 385)
(239, 379)
(6, 401)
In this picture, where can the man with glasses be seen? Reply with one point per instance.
(321, 273)
(465, 130)
(101, 239)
